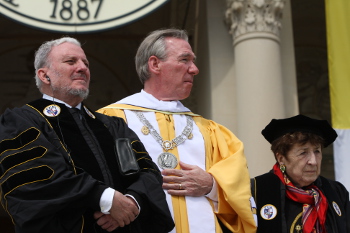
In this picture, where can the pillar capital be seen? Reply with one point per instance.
(246, 16)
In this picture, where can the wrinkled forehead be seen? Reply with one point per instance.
(67, 50)
(179, 47)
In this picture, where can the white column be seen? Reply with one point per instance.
(255, 26)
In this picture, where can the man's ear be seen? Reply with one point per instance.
(154, 64)
(41, 73)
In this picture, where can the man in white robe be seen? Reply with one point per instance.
(205, 174)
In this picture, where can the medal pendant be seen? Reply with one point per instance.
(145, 130)
(167, 160)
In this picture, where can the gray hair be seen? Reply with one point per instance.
(154, 45)
(42, 55)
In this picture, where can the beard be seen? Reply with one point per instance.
(82, 93)
(76, 92)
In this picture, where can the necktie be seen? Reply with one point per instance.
(77, 112)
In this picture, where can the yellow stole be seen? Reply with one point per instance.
(166, 125)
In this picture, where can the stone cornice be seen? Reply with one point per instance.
(246, 16)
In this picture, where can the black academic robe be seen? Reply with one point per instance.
(278, 214)
(54, 168)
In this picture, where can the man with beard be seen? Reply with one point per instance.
(61, 165)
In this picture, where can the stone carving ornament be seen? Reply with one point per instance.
(245, 16)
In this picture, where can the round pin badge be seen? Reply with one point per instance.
(336, 208)
(52, 110)
(268, 212)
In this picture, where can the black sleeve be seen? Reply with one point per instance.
(147, 189)
(145, 162)
(37, 177)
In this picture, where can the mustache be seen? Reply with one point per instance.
(79, 76)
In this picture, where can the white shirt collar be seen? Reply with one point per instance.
(146, 100)
(54, 100)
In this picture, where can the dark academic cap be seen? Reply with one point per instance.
(299, 123)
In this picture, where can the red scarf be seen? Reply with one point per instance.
(313, 200)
